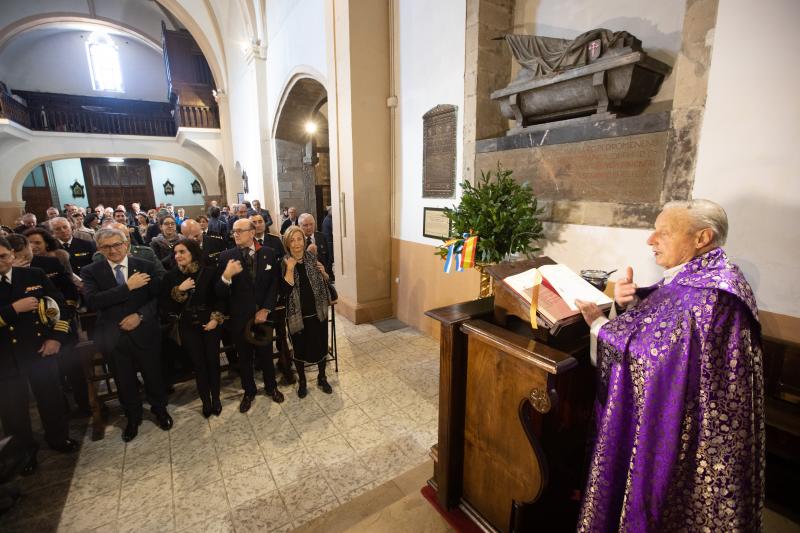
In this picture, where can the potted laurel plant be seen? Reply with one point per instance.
(503, 214)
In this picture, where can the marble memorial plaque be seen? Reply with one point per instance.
(439, 152)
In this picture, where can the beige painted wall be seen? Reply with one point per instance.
(420, 284)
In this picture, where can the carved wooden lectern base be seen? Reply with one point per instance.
(513, 419)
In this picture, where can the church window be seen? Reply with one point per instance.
(104, 63)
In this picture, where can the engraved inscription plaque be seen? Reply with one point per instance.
(439, 152)
(604, 182)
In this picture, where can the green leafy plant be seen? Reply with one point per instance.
(503, 213)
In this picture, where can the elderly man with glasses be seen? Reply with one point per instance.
(124, 291)
(248, 280)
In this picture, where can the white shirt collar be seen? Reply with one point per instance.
(124, 264)
(8, 274)
(670, 273)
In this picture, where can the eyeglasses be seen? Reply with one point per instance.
(240, 231)
(109, 247)
(6, 256)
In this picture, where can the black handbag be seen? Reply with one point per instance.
(332, 294)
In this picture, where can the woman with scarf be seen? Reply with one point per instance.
(163, 243)
(187, 295)
(307, 301)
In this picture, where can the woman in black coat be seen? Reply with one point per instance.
(187, 294)
(307, 302)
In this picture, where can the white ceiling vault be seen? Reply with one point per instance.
(209, 21)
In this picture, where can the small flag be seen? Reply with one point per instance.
(453, 259)
(470, 247)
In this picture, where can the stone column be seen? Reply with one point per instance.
(359, 133)
(689, 101)
(487, 68)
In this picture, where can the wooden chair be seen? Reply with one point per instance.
(97, 373)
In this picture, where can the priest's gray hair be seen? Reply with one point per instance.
(106, 233)
(705, 214)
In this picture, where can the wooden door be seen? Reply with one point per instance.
(112, 184)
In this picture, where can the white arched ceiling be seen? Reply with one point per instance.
(137, 17)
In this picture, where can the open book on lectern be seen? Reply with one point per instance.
(559, 289)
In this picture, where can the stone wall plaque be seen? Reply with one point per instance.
(608, 182)
(439, 152)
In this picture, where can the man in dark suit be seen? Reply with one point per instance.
(264, 238)
(291, 221)
(80, 251)
(248, 278)
(29, 341)
(139, 252)
(215, 222)
(124, 291)
(256, 210)
(211, 244)
(316, 243)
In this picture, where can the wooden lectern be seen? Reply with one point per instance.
(514, 413)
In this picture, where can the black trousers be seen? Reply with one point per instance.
(125, 359)
(45, 382)
(71, 367)
(250, 354)
(203, 347)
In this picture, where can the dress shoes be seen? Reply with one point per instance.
(275, 394)
(247, 401)
(163, 419)
(31, 464)
(206, 410)
(302, 390)
(131, 429)
(68, 446)
(324, 385)
(216, 407)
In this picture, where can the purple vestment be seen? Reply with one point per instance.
(680, 409)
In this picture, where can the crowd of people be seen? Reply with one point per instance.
(160, 294)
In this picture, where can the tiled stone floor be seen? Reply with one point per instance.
(273, 469)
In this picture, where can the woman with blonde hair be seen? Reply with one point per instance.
(305, 283)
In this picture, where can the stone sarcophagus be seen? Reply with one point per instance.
(598, 75)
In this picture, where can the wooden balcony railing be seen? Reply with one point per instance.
(13, 110)
(192, 116)
(86, 114)
(81, 121)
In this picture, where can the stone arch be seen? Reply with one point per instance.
(53, 19)
(302, 158)
(19, 178)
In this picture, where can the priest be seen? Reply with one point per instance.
(679, 442)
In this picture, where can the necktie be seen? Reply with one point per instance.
(260, 241)
(65, 245)
(247, 261)
(308, 242)
(5, 287)
(119, 275)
